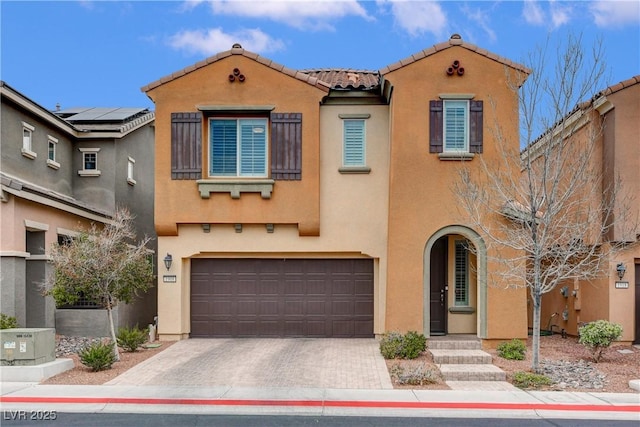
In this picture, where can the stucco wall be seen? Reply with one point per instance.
(353, 215)
(422, 198)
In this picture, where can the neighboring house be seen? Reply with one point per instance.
(60, 171)
(616, 296)
(320, 203)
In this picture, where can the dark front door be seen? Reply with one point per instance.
(637, 340)
(317, 298)
(438, 286)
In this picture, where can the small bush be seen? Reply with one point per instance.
(7, 322)
(131, 338)
(414, 344)
(391, 345)
(396, 346)
(598, 336)
(526, 380)
(418, 374)
(98, 356)
(512, 350)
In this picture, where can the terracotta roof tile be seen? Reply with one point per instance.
(455, 40)
(236, 50)
(346, 78)
(621, 85)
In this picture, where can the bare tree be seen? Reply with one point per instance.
(103, 265)
(545, 212)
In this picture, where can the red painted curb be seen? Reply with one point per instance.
(326, 403)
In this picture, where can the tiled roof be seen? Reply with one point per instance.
(238, 50)
(619, 86)
(345, 78)
(455, 40)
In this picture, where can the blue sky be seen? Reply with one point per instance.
(100, 53)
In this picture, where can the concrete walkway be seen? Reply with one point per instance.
(294, 363)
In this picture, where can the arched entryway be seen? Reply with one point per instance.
(455, 282)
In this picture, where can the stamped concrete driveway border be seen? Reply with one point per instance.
(353, 363)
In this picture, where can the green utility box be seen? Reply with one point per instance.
(27, 346)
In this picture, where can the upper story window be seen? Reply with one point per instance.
(89, 162)
(130, 164)
(27, 141)
(455, 126)
(238, 147)
(51, 152)
(354, 143)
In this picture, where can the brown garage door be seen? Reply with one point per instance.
(282, 298)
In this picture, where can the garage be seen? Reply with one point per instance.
(277, 298)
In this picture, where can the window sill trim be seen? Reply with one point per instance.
(456, 156)
(89, 172)
(28, 153)
(355, 170)
(462, 309)
(235, 187)
(53, 164)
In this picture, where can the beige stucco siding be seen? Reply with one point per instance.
(353, 217)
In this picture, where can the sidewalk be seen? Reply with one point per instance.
(318, 401)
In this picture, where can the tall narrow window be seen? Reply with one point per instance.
(27, 141)
(456, 130)
(354, 143)
(51, 152)
(90, 161)
(461, 273)
(130, 163)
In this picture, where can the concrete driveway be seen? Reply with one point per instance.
(295, 362)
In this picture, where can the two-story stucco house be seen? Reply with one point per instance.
(62, 170)
(320, 203)
(616, 296)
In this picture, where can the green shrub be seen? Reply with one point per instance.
(409, 346)
(413, 344)
(527, 380)
(418, 374)
(391, 345)
(512, 350)
(131, 338)
(98, 356)
(598, 336)
(7, 322)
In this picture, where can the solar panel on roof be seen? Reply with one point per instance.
(102, 114)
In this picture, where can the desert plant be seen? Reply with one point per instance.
(391, 345)
(598, 336)
(527, 380)
(131, 338)
(417, 374)
(413, 344)
(512, 350)
(7, 322)
(98, 356)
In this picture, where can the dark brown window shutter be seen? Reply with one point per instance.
(286, 146)
(475, 127)
(186, 145)
(436, 133)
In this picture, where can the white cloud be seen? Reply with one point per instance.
(558, 14)
(417, 17)
(482, 18)
(615, 13)
(533, 13)
(214, 40)
(301, 14)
